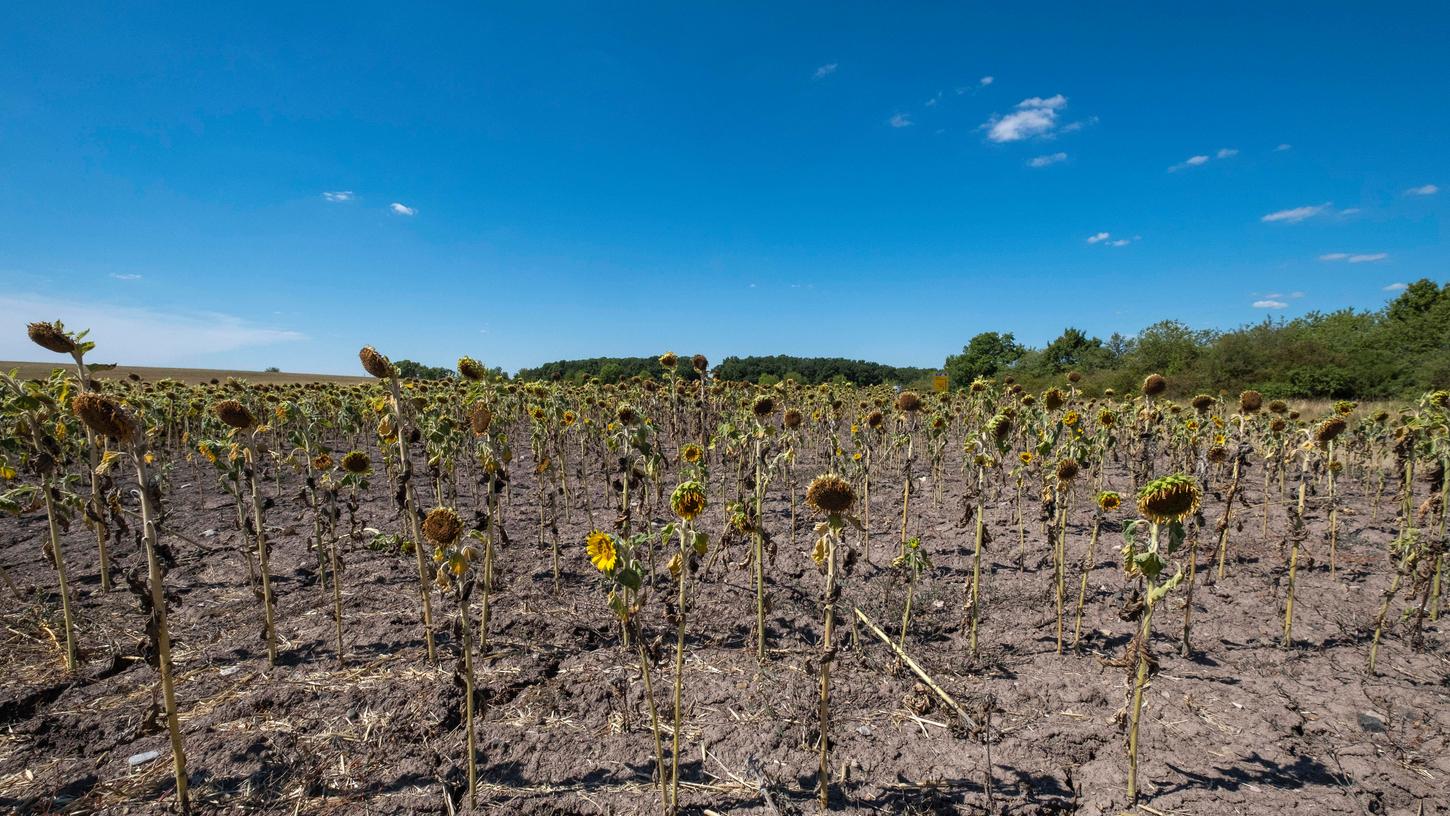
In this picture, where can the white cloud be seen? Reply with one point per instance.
(1226, 153)
(1270, 304)
(139, 336)
(900, 120)
(1281, 148)
(1035, 116)
(825, 71)
(1423, 190)
(1121, 242)
(930, 103)
(338, 195)
(1349, 211)
(1044, 161)
(1397, 287)
(986, 80)
(1354, 258)
(125, 276)
(1191, 161)
(1098, 238)
(1296, 214)
(403, 209)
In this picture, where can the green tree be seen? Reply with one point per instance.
(984, 355)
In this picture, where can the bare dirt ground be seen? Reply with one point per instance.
(1239, 726)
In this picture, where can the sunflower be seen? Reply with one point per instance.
(356, 462)
(1070, 418)
(1109, 501)
(688, 500)
(1026, 457)
(1153, 385)
(234, 414)
(1169, 498)
(442, 525)
(830, 494)
(692, 453)
(104, 415)
(51, 336)
(322, 462)
(375, 363)
(602, 552)
(569, 418)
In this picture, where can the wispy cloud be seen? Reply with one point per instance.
(140, 336)
(126, 276)
(1297, 214)
(1397, 287)
(900, 120)
(1049, 159)
(825, 70)
(1035, 116)
(1355, 258)
(1191, 161)
(1270, 304)
(1423, 190)
(986, 80)
(403, 209)
(1107, 239)
(1281, 148)
(338, 195)
(1200, 160)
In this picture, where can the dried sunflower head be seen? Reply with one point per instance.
(234, 414)
(830, 494)
(442, 526)
(357, 463)
(688, 500)
(471, 369)
(104, 415)
(1250, 402)
(1169, 498)
(908, 402)
(51, 336)
(375, 363)
(1329, 429)
(1153, 385)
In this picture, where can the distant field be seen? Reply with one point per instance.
(185, 375)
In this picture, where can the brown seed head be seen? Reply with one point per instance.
(50, 336)
(104, 415)
(830, 494)
(234, 414)
(1153, 385)
(375, 363)
(442, 526)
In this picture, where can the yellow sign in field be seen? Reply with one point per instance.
(939, 383)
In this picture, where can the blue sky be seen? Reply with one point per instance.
(278, 184)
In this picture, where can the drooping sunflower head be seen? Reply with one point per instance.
(1074, 377)
(1067, 470)
(1218, 454)
(1202, 403)
(471, 369)
(908, 402)
(999, 426)
(1278, 425)
(692, 453)
(875, 420)
(104, 415)
(1439, 399)
(763, 407)
(830, 495)
(688, 500)
(938, 423)
(1106, 417)
(1109, 501)
(1169, 498)
(626, 415)
(357, 463)
(50, 336)
(1053, 398)
(1153, 385)
(792, 418)
(442, 526)
(1278, 407)
(700, 362)
(1345, 407)
(669, 360)
(1250, 402)
(480, 417)
(603, 554)
(978, 385)
(375, 363)
(234, 414)
(1329, 429)
(322, 462)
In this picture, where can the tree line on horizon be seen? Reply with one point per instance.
(1400, 350)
